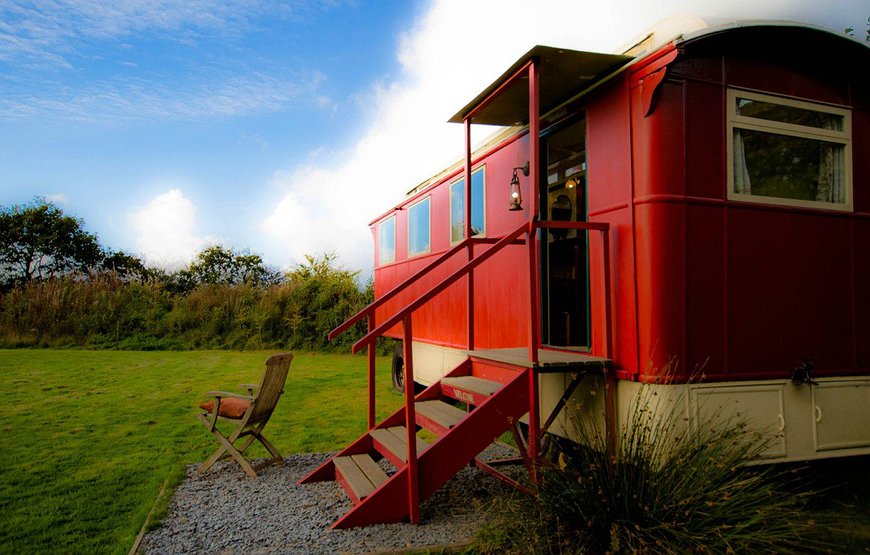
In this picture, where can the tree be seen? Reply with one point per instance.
(38, 241)
(321, 296)
(127, 266)
(851, 31)
(221, 266)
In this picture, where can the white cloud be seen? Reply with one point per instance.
(122, 100)
(328, 200)
(165, 230)
(51, 52)
(451, 53)
(57, 198)
(49, 33)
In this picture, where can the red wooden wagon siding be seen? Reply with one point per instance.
(721, 179)
(710, 284)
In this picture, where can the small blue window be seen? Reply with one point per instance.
(457, 207)
(387, 241)
(418, 228)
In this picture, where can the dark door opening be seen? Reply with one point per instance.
(564, 272)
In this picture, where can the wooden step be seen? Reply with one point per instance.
(359, 475)
(443, 458)
(469, 389)
(438, 416)
(393, 444)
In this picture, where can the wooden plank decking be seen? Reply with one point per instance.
(548, 360)
(441, 413)
(395, 439)
(361, 473)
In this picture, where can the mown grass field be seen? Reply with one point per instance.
(89, 437)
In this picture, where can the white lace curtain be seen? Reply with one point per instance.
(832, 177)
(742, 183)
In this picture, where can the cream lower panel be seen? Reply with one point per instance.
(841, 414)
(581, 418)
(583, 412)
(760, 407)
(431, 362)
(801, 422)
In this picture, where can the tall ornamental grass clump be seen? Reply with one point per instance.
(105, 310)
(81, 310)
(668, 488)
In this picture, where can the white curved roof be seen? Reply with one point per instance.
(686, 27)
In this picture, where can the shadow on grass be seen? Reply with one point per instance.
(843, 500)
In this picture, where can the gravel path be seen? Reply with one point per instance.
(226, 512)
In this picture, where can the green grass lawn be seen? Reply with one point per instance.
(89, 437)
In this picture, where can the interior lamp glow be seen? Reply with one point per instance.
(516, 194)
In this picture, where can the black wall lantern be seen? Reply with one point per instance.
(516, 192)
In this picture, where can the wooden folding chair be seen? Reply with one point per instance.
(249, 414)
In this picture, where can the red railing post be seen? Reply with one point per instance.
(534, 339)
(411, 424)
(609, 378)
(371, 353)
(534, 268)
(608, 324)
(468, 233)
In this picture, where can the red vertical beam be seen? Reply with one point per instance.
(371, 353)
(534, 177)
(534, 270)
(467, 178)
(608, 316)
(411, 424)
(609, 379)
(468, 232)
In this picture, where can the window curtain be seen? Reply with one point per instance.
(742, 184)
(832, 177)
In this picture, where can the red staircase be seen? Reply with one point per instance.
(492, 407)
(495, 395)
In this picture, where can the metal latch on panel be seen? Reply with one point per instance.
(803, 374)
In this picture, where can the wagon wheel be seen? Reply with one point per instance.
(398, 369)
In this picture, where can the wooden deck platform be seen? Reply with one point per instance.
(548, 360)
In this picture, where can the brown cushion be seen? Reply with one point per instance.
(230, 407)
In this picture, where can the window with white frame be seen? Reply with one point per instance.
(418, 228)
(457, 206)
(786, 151)
(387, 241)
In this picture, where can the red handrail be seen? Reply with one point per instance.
(397, 289)
(404, 316)
(443, 284)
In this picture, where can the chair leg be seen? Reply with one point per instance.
(276, 456)
(226, 449)
(245, 444)
(246, 466)
(218, 455)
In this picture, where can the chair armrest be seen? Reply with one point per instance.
(229, 394)
(211, 422)
(250, 387)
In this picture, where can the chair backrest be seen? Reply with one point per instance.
(271, 387)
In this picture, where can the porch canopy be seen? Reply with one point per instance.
(562, 74)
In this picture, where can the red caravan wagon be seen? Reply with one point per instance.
(699, 205)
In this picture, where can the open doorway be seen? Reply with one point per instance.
(564, 257)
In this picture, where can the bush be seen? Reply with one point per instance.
(104, 310)
(667, 489)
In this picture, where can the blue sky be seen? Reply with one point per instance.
(278, 127)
